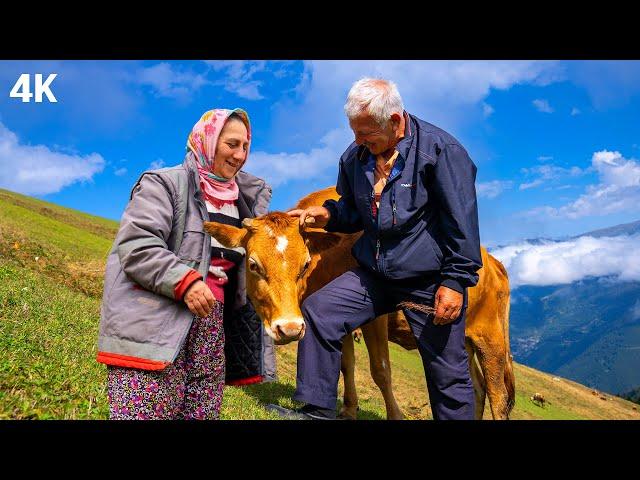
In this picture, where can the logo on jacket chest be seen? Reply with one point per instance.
(408, 185)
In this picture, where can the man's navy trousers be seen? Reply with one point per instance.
(357, 297)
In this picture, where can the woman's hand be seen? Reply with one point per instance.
(199, 299)
(320, 216)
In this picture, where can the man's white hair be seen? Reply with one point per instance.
(376, 97)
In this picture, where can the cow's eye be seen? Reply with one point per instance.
(254, 267)
(304, 268)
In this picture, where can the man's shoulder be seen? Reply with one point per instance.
(350, 155)
(429, 131)
(432, 140)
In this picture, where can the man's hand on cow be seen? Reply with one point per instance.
(199, 299)
(448, 305)
(320, 216)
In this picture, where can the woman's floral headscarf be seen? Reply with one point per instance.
(202, 142)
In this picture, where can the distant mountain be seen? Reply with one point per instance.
(632, 395)
(539, 240)
(530, 241)
(588, 331)
(622, 229)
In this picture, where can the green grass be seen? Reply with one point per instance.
(51, 232)
(47, 350)
(102, 227)
(550, 411)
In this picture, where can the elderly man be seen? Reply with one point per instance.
(409, 186)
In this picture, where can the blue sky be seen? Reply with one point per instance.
(557, 143)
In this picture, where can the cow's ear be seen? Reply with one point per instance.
(227, 235)
(317, 242)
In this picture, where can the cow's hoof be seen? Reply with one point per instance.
(349, 414)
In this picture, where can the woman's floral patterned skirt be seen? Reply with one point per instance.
(190, 388)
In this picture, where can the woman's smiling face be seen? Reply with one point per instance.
(232, 148)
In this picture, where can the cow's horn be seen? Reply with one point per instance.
(247, 222)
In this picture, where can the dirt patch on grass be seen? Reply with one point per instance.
(83, 276)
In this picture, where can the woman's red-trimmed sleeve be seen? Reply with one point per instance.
(184, 284)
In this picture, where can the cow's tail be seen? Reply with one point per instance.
(509, 377)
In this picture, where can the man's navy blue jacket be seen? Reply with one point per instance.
(427, 221)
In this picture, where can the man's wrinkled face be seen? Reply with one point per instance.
(373, 136)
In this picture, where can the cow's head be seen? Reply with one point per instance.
(280, 255)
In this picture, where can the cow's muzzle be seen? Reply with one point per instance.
(285, 330)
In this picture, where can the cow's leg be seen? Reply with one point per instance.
(376, 337)
(491, 355)
(479, 386)
(347, 366)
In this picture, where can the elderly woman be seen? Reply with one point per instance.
(172, 293)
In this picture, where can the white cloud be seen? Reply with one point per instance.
(487, 110)
(159, 163)
(38, 170)
(575, 111)
(535, 183)
(553, 263)
(492, 189)
(616, 170)
(279, 168)
(549, 173)
(545, 158)
(120, 172)
(542, 105)
(635, 311)
(166, 81)
(618, 190)
(240, 76)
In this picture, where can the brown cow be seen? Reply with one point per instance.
(538, 399)
(286, 264)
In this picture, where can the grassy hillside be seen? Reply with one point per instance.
(51, 266)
